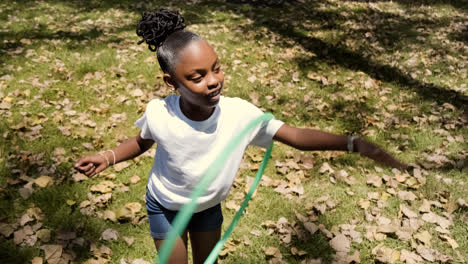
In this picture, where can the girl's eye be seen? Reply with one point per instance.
(197, 78)
(217, 69)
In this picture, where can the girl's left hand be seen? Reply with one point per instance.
(374, 152)
(91, 165)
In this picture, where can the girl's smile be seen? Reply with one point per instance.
(198, 78)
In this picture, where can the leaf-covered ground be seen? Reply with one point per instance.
(73, 81)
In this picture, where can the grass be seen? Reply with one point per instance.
(392, 71)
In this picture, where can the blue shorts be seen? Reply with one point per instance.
(160, 218)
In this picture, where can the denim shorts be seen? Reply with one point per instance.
(160, 218)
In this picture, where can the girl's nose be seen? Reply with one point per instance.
(212, 81)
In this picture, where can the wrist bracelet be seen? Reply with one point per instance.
(113, 154)
(107, 160)
(351, 143)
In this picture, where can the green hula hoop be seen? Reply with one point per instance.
(183, 217)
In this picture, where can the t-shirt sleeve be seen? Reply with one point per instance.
(142, 123)
(263, 137)
(265, 134)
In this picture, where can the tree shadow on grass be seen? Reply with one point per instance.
(13, 254)
(317, 247)
(287, 23)
(461, 36)
(334, 54)
(75, 41)
(69, 226)
(460, 4)
(59, 216)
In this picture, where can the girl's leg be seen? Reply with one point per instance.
(179, 253)
(203, 243)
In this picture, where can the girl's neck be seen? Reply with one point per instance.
(195, 112)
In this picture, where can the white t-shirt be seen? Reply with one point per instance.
(186, 148)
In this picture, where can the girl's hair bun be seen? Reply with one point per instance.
(155, 26)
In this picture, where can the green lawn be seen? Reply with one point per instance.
(73, 81)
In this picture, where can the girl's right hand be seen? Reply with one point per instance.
(91, 165)
(374, 152)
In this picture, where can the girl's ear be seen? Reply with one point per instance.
(169, 81)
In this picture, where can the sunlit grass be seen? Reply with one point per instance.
(87, 53)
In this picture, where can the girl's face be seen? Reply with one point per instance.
(198, 75)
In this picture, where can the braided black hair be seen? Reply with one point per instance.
(163, 31)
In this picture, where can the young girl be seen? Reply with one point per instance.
(191, 129)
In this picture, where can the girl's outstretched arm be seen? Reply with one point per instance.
(311, 139)
(131, 148)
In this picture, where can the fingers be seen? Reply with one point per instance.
(87, 169)
(379, 155)
(99, 169)
(376, 153)
(91, 171)
(83, 164)
(78, 164)
(90, 165)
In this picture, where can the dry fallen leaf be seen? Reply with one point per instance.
(248, 184)
(385, 254)
(450, 240)
(340, 243)
(348, 230)
(37, 260)
(25, 218)
(364, 203)
(20, 235)
(109, 215)
(425, 206)
(36, 213)
(103, 187)
(405, 233)
(406, 196)
(134, 179)
(297, 252)
(437, 219)
(129, 211)
(462, 203)
(311, 227)
(128, 240)
(374, 180)
(43, 235)
(231, 205)
(410, 257)
(6, 229)
(256, 232)
(424, 237)
(121, 165)
(272, 252)
(85, 203)
(326, 168)
(427, 253)
(343, 176)
(110, 234)
(27, 190)
(44, 181)
(140, 261)
(53, 253)
(407, 212)
(101, 200)
(102, 252)
(98, 260)
(77, 177)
